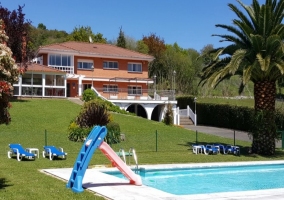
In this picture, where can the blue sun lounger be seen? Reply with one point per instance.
(20, 152)
(52, 151)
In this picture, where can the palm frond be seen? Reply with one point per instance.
(232, 39)
(242, 16)
(278, 12)
(235, 31)
(247, 74)
(263, 62)
(273, 44)
(257, 42)
(236, 60)
(280, 66)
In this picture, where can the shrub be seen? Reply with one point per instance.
(88, 95)
(93, 113)
(113, 134)
(76, 133)
(114, 108)
(169, 116)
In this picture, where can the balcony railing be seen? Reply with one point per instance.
(137, 94)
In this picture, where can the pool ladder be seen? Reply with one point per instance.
(131, 150)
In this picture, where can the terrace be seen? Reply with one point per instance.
(137, 94)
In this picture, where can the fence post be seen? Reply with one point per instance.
(282, 134)
(156, 141)
(45, 137)
(234, 138)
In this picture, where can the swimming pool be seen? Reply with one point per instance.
(212, 179)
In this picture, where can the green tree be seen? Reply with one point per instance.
(142, 47)
(255, 53)
(131, 43)
(99, 38)
(186, 65)
(41, 26)
(83, 34)
(42, 36)
(121, 42)
(157, 47)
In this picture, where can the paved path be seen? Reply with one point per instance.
(222, 132)
(76, 100)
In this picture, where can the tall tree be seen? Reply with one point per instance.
(255, 54)
(186, 66)
(121, 41)
(17, 30)
(131, 43)
(42, 36)
(83, 34)
(157, 47)
(9, 74)
(142, 47)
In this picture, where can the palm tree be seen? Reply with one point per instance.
(255, 53)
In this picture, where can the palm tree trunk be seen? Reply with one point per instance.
(264, 132)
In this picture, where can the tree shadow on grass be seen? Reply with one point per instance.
(4, 183)
(18, 99)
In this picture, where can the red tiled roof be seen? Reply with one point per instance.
(95, 50)
(33, 67)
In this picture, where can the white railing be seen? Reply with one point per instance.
(189, 113)
(139, 94)
(192, 115)
(177, 116)
(99, 95)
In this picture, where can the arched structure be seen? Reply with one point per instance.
(152, 110)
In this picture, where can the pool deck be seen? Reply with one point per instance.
(115, 188)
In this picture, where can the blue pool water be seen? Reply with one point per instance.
(185, 181)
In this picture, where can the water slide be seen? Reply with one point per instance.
(96, 140)
(117, 162)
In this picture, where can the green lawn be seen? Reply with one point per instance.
(154, 143)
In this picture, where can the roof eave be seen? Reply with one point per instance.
(88, 54)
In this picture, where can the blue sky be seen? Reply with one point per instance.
(189, 23)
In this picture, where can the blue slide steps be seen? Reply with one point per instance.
(93, 141)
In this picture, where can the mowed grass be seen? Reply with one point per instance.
(154, 142)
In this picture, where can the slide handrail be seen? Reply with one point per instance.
(122, 153)
(132, 150)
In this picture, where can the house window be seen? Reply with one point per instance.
(110, 65)
(87, 86)
(59, 60)
(27, 79)
(85, 65)
(37, 79)
(134, 90)
(110, 88)
(66, 60)
(54, 80)
(134, 67)
(32, 79)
